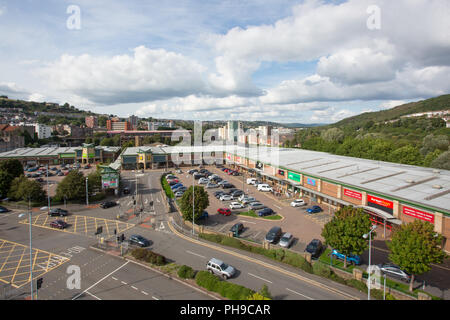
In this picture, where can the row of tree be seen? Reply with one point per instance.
(413, 246)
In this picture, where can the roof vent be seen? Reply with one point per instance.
(436, 186)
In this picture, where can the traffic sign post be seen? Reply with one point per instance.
(38, 285)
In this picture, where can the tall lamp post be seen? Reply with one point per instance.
(369, 234)
(31, 248)
(48, 192)
(193, 203)
(87, 194)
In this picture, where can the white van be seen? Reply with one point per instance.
(264, 187)
(251, 180)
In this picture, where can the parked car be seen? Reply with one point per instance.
(59, 174)
(286, 240)
(265, 212)
(235, 173)
(211, 185)
(218, 267)
(314, 209)
(217, 194)
(58, 212)
(236, 205)
(256, 205)
(298, 203)
(222, 182)
(224, 211)
(273, 235)
(198, 175)
(251, 180)
(192, 171)
(58, 224)
(139, 240)
(205, 215)
(178, 171)
(179, 188)
(395, 272)
(238, 227)
(4, 210)
(170, 176)
(179, 194)
(203, 181)
(236, 194)
(108, 204)
(264, 188)
(176, 185)
(353, 259)
(247, 200)
(314, 248)
(173, 182)
(225, 197)
(227, 186)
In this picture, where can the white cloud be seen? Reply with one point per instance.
(331, 115)
(146, 75)
(36, 97)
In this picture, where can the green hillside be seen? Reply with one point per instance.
(433, 104)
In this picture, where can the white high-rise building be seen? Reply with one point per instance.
(43, 131)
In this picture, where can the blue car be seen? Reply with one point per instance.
(176, 186)
(314, 209)
(353, 259)
(204, 215)
(265, 212)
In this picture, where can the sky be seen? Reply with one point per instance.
(286, 61)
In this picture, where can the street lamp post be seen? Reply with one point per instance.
(31, 248)
(193, 204)
(370, 250)
(48, 192)
(87, 194)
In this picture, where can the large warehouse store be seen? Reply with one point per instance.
(390, 193)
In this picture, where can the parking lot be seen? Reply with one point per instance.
(296, 221)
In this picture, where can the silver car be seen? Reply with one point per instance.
(216, 266)
(225, 197)
(211, 185)
(256, 205)
(286, 240)
(247, 200)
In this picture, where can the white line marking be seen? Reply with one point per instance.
(114, 278)
(93, 295)
(260, 278)
(123, 282)
(248, 222)
(134, 288)
(196, 254)
(145, 293)
(256, 234)
(277, 206)
(101, 280)
(155, 298)
(299, 294)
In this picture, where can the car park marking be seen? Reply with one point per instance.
(251, 274)
(83, 225)
(309, 298)
(155, 298)
(144, 293)
(248, 222)
(195, 254)
(15, 263)
(277, 206)
(94, 296)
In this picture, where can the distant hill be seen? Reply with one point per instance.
(433, 104)
(30, 107)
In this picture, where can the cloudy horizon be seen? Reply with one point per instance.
(284, 61)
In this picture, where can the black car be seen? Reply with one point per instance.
(4, 210)
(108, 204)
(192, 171)
(227, 186)
(314, 248)
(235, 194)
(59, 224)
(58, 212)
(265, 212)
(238, 226)
(126, 190)
(139, 240)
(235, 173)
(273, 235)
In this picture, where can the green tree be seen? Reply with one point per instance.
(414, 247)
(431, 143)
(94, 182)
(23, 188)
(265, 292)
(442, 162)
(5, 183)
(431, 156)
(73, 186)
(12, 166)
(407, 155)
(345, 231)
(201, 202)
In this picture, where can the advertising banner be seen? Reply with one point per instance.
(353, 194)
(425, 216)
(294, 177)
(311, 182)
(379, 203)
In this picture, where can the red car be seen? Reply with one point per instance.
(224, 211)
(226, 170)
(230, 172)
(58, 224)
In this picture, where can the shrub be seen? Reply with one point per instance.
(225, 289)
(321, 270)
(361, 286)
(206, 280)
(139, 253)
(265, 292)
(338, 279)
(257, 296)
(186, 272)
(298, 261)
(148, 256)
(376, 294)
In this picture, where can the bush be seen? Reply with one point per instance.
(322, 270)
(376, 294)
(139, 253)
(206, 280)
(148, 256)
(337, 279)
(361, 286)
(225, 289)
(186, 272)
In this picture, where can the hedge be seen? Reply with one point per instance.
(226, 289)
(166, 187)
(186, 272)
(148, 256)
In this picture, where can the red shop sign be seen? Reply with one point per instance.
(380, 202)
(418, 214)
(353, 194)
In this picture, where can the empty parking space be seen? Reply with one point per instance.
(82, 225)
(15, 263)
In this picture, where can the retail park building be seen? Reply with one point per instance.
(390, 193)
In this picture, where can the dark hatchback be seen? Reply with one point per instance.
(108, 204)
(238, 226)
(139, 240)
(58, 212)
(58, 224)
(4, 210)
(274, 234)
(314, 248)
